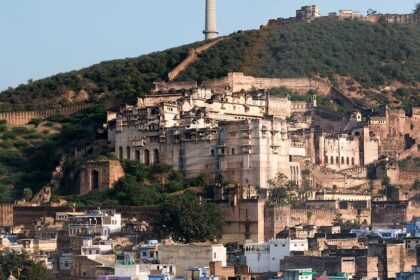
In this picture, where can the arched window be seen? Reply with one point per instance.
(326, 159)
(137, 155)
(347, 161)
(352, 161)
(94, 180)
(337, 160)
(128, 152)
(156, 155)
(332, 160)
(233, 151)
(146, 157)
(342, 160)
(120, 153)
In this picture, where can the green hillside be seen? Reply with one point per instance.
(372, 54)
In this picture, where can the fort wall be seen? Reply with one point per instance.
(6, 215)
(22, 118)
(192, 56)
(279, 217)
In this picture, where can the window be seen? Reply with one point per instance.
(120, 152)
(212, 152)
(94, 180)
(128, 153)
(326, 159)
(233, 151)
(352, 161)
(332, 159)
(337, 160)
(156, 155)
(347, 161)
(146, 157)
(342, 160)
(137, 155)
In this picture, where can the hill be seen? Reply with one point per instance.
(374, 55)
(372, 63)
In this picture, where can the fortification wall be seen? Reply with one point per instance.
(22, 118)
(6, 215)
(394, 212)
(396, 19)
(279, 217)
(238, 82)
(192, 56)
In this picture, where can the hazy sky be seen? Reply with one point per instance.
(39, 38)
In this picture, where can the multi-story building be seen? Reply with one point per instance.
(229, 135)
(266, 257)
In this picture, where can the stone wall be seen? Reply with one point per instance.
(22, 118)
(394, 212)
(244, 219)
(238, 82)
(279, 217)
(192, 56)
(396, 19)
(6, 215)
(101, 175)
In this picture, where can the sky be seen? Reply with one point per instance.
(40, 38)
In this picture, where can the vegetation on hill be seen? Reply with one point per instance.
(29, 154)
(142, 185)
(372, 54)
(121, 79)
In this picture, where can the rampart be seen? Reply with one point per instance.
(388, 213)
(395, 19)
(238, 81)
(191, 57)
(279, 217)
(6, 215)
(22, 118)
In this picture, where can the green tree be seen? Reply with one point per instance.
(187, 219)
(281, 190)
(371, 12)
(345, 225)
(20, 266)
(417, 9)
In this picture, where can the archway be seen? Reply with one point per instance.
(94, 180)
(146, 157)
(156, 155)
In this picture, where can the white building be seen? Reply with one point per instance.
(101, 247)
(266, 257)
(95, 222)
(65, 262)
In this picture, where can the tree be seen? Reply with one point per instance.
(345, 225)
(281, 190)
(417, 9)
(188, 219)
(20, 266)
(371, 12)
